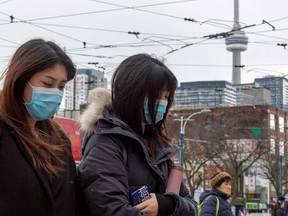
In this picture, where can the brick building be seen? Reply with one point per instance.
(245, 140)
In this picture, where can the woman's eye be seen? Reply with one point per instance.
(47, 84)
(62, 88)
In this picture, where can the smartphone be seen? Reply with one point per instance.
(140, 195)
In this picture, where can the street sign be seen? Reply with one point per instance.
(256, 131)
(250, 205)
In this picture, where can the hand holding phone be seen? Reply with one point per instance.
(140, 195)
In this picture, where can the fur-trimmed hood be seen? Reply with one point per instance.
(98, 99)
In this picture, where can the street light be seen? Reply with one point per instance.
(182, 132)
(281, 153)
(280, 176)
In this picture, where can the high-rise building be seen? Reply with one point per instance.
(222, 93)
(77, 90)
(252, 94)
(205, 94)
(279, 90)
(95, 78)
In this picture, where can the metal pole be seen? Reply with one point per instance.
(280, 176)
(181, 142)
(182, 133)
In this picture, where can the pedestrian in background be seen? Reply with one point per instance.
(286, 204)
(279, 210)
(128, 148)
(38, 174)
(214, 202)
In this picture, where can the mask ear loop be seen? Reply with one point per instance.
(30, 84)
(31, 94)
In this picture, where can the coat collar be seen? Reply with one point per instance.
(98, 99)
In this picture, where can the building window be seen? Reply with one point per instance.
(272, 146)
(222, 119)
(281, 124)
(208, 120)
(272, 121)
(281, 148)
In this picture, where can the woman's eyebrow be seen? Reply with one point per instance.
(54, 79)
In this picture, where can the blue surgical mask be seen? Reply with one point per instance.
(45, 102)
(161, 109)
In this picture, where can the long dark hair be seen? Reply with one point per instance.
(30, 58)
(136, 78)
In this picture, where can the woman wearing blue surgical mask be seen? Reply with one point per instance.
(126, 153)
(37, 170)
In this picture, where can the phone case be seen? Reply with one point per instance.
(140, 195)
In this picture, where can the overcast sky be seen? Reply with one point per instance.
(97, 31)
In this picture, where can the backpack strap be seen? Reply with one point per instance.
(217, 204)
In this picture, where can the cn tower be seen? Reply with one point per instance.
(236, 43)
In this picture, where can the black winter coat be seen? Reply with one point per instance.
(279, 211)
(25, 190)
(209, 205)
(115, 163)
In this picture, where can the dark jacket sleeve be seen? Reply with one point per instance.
(103, 179)
(209, 207)
(185, 204)
(166, 205)
(279, 212)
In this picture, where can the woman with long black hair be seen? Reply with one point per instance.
(126, 148)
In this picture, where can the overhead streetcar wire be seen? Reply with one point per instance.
(9, 41)
(174, 42)
(39, 25)
(138, 8)
(5, 1)
(167, 15)
(49, 30)
(109, 30)
(276, 20)
(95, 12)
(268, 36)
(46, 29)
